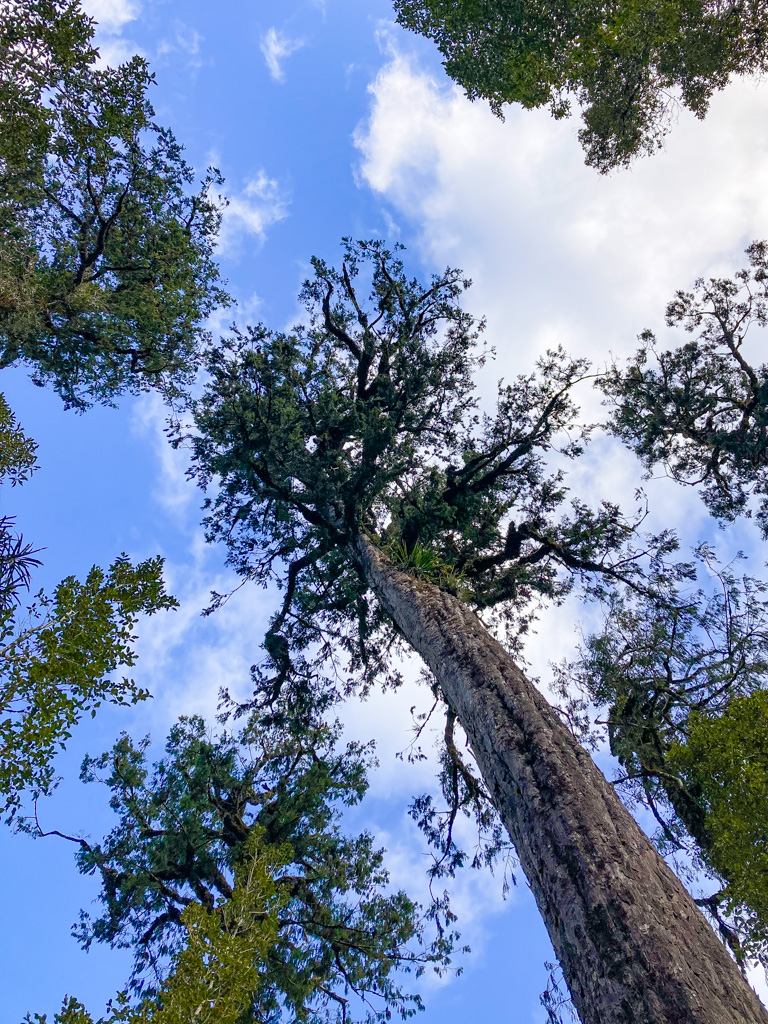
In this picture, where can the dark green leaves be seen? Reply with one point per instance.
(106, 259)
(701, 410)
(628, 65)
(363, 419)
(215, 812)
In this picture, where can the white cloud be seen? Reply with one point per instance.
(173, 491)
(186, 40)
(559, 253)
(276, 47)
(186, 658)
(261, 204)
(112, 15)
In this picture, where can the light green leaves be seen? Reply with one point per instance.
(725, 758)
(57, 659)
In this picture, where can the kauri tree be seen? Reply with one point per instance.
(627, 65)
(230, 879)
(353, 469)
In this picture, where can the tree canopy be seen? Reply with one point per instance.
(106, 261)
(627, 65)
(230, 879)
(363, 420)
(701, 410)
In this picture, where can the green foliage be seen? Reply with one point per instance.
(627, 63)
(685, 684)
(57, 659)
(18, 453)
(701, 410)
(424, 563)
(106, 258)
(215, 975)
(216, 971)
(724, 758)
(363, 420)
(230, 879)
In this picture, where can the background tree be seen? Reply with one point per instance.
(629, 66)
(683, 683)
(106, 278)
(57, 659)
(229, 877)
(701, 410)
(356, 435)
(106, 260)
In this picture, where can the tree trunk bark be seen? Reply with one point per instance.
(633, 946)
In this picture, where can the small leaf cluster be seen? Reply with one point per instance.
(424, 563)
(18, 460)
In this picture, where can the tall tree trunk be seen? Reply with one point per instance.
(633, 946)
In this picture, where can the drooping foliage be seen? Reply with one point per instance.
(106, 257)
(627, 65)
(701, 410)
(229, 877)
(681, 687)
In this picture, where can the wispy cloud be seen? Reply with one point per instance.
(173, 491)
(261, 204)
(185, 40)
(276, 47)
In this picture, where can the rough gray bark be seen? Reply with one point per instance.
(633, 946)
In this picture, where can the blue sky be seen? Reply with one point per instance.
(326, 121)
